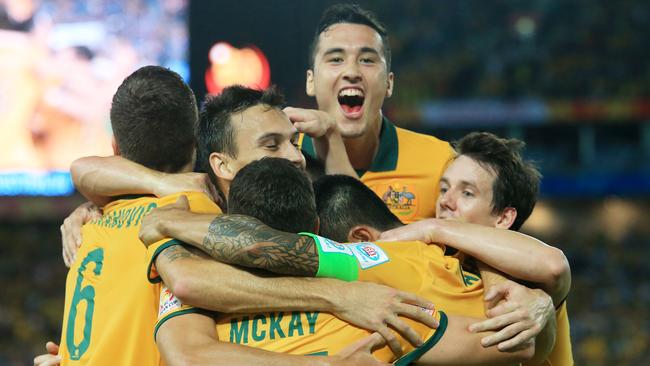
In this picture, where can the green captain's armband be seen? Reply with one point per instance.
(335, 260)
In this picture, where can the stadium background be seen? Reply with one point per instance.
(571, 78)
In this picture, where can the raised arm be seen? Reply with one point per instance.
(233, 239)
(100, 178)
(516, 254)
(328, 142)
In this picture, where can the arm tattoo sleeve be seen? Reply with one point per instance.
(176, 252)
(247, 242)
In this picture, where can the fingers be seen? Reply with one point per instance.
(391, 340)
(365, 345)
(521, 340)
(496, 323)
(502, 309)
(65, 247)
(506, 334)
(406, 331)
(418, 308)
(52, 348)
(295, 114)
(47, 360)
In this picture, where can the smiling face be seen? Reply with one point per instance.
(350, 79)
(466, 193)
(259, 132)
(262, 132)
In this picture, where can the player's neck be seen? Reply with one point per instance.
(361, 150)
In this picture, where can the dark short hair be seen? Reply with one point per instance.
(275, 192)
(343, 202)
(154, 115)
(352, 14)
(216, 132)
(516, 182)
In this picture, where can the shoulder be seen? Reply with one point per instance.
(422, 139)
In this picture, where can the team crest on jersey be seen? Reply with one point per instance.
(401, 199)
(369, 255)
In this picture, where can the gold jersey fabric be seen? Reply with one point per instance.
(110, 307)
(411, 266)
(405, 172)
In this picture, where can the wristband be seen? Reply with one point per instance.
(335, 260)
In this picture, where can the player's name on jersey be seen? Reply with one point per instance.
(126, 217)
(261, 327)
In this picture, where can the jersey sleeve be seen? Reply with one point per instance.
(152, 253)
(435, 335)
(199, 203)
(170, 306)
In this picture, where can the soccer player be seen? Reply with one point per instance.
(108, 307)
(490, 185)
(350, 76)
(281, 196)
(237, 127)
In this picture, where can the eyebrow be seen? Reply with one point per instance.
(333, 50)
(268, 136)
(369, 50)
(341, 50)
(464, 183)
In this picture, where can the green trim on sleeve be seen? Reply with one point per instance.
(307, 146)
(177, 313)
(152, 260)
(335, 260)
(415, 355)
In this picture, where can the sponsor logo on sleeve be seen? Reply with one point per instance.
(369, 255)
(168, 303)
(330, 246)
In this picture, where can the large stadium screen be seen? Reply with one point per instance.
(60, 63)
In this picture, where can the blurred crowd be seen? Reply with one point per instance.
(576, 49)
(609, 302)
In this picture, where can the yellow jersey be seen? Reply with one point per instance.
(110, 307)
(424, 270)
(405, 173)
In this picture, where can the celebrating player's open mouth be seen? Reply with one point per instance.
(351, 102)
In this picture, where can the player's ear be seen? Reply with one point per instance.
(363, 233)
(390, 80)
(221, 166)
(506, 218)
(116, 149)
(309, 83)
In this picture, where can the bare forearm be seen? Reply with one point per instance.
(458, 346)
(513, 253)
(208, 284)
(191, 340)
(98, 178)
(245, 241)
(330, 149)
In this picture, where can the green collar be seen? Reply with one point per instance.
(386, 157)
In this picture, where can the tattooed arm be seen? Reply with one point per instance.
(190, 276)
(234, 239)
